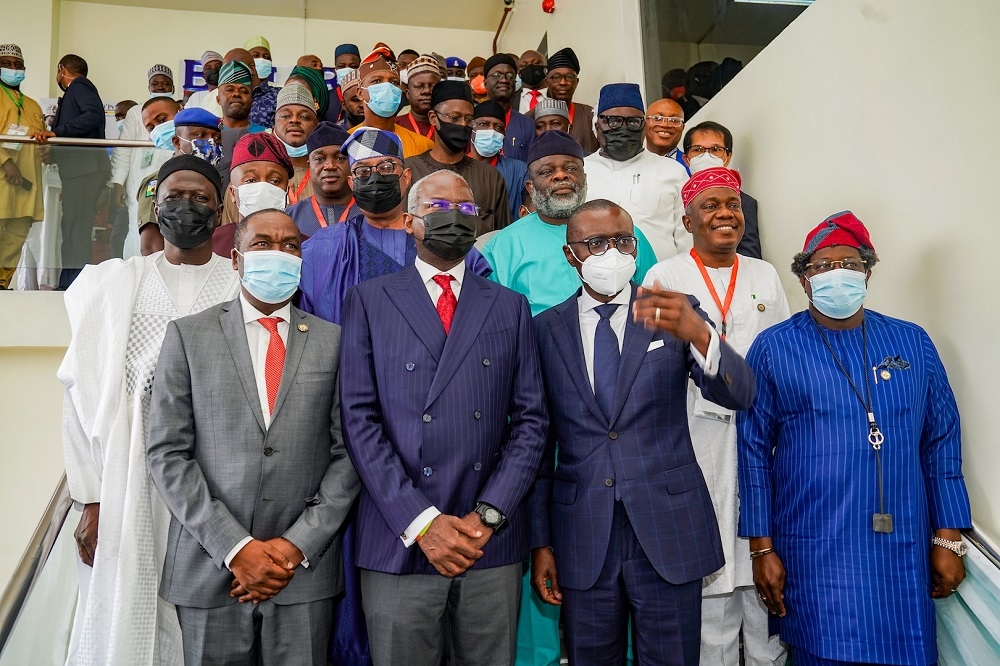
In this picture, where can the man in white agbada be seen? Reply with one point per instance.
(118, 312)
(743, 296)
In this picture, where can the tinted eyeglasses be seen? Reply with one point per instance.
(441, 205)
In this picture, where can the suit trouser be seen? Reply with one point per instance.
(268, 634)
(13, 233)
(724, 617)
(412, 617)
(79, 203)
(666, 618)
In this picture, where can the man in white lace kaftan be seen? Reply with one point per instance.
(119, 311)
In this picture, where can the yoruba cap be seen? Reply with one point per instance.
(377, 61)
(707, 179)
(554, 142)
(424, 64)
(210, 56)
(295, 94)
(564, 58)
(327, 134)
(345, 49)
(840, 229)
(255, 41)
(551, 107)
(197, 117)
(619, 94)
(352, 80)
(368, 142)
(159, 69)
(11, 50)
(191, 163)
(261, 147)
(235, 71)
(448, 90)
(498, 59)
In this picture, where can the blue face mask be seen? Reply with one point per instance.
(838, 293)
(11, 77)
(292, 151)
(517, 83)
(163, 135)
(271, 276)
(487, 142)
(384, 99)
(161, 94)
(263, 67)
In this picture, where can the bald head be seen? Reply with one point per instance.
(531, 58)
(663, 133)
(442, 184)
(310, 61)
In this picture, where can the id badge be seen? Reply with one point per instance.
(15, 130)
(706, 409)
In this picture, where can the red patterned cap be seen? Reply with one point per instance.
(840, 229)
(707, 179)
(261, 147)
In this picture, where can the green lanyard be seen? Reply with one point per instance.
(19, 102)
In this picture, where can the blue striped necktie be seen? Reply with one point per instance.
(607, 359)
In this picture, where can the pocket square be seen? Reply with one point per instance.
(655, 344)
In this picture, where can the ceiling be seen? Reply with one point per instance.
(721, 21)
(460, 14)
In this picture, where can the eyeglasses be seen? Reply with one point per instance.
(673, 121)
(441, 205)
(632, 122)
(496, 76)
(718, 151)
(598, 245)
(458, 119)
(386, 168)
(848, 264)
(557, 78)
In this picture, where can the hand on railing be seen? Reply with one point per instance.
(43, 136)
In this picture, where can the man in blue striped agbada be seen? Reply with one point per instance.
(850, 468)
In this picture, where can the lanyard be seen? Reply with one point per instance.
(572, 112)
(294, 198)
(321, 218)
(882, 521)
(495, 160)
(416, 126)
(19, 102)
(723, 307)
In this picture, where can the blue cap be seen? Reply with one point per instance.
(554, 142)
(197, 117)
(620, 94)
(326, 134)
(369, 142)
(346, 48)
(454, 61)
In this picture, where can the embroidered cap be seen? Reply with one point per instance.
(707, 179)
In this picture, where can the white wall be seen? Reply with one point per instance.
(888, 109)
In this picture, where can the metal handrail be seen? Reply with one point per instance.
(35, 555)
(71, 141)
(976, 540)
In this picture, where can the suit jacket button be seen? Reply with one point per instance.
(428, 471)
(486, 362)
(410, 366)
(478, 414)
(427, 418)
(609, 482)
(268, 451)
(613, 435)
(477, 466)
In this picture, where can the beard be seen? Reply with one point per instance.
(559, 206)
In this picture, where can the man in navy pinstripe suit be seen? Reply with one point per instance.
(445, 420)
(623, 527)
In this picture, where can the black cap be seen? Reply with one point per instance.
(191, 163)
(498, 59)
(448, 90)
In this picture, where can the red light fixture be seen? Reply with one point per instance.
(548, 6)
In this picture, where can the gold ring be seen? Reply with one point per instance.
(657, 314)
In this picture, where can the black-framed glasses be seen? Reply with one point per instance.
(632, 122)
(717, 151)
(557, 78)
(673, 121)
(496, 76)
(857, 265)
(598, 245)
(386, 168)
(441, 205)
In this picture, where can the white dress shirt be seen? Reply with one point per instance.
(427, 273)
(589, 319)
(258, 338)
(525, 105)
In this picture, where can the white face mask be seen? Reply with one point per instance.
(705, 161)
(609, 273)
(253, 197)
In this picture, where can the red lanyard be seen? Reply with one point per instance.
(298, 193)
(572, 112)
(321, 218)
(723, 307)
(416, 127)
(493, 162)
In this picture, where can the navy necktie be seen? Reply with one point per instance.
(607, 359)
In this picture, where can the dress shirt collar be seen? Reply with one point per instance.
(587, 303)
(427, 272)
(250, 313)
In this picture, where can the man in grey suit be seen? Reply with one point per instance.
(245, 447)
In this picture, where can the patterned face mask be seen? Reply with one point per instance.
(206, 149)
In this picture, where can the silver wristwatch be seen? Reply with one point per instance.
(957, 547)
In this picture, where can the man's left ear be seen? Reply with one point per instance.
(687, 223)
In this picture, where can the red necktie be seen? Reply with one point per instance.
(274, 362)
(446, 301)
(534, 99)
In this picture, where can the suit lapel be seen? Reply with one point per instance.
(293, 354)
(231, 319)
(410, 296)
(474, 306)
(566, 336)
(637, 339)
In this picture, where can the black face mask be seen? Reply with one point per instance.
(623, 143)
(352, 119)
(378, 194)
(450, 234)
(532, 75)
(211, 76)
(454, 136)
(185, 223)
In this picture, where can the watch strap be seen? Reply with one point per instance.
(957, 547)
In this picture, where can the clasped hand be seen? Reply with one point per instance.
(452, 544)
(263, 568)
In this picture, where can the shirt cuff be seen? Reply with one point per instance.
(236, 549)
(414, 529)
(709, 363)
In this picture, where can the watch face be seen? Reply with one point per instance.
(492, 516)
